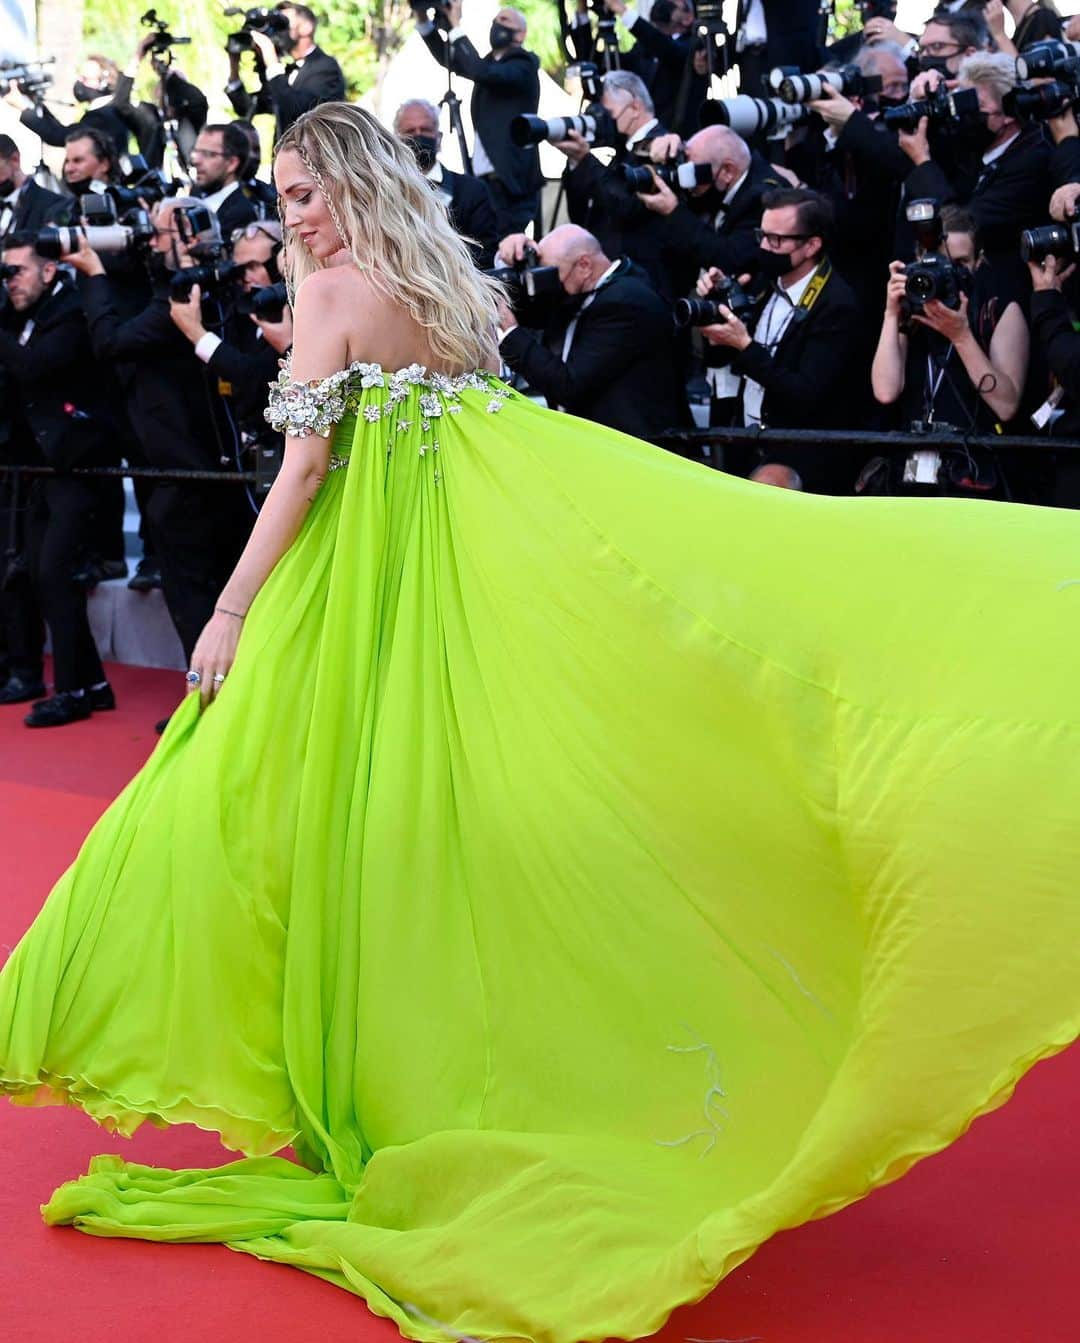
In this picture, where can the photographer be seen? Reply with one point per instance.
(45, 351)
(669, 58)
(23, 204)
(506, 83)
(472, 211)
(246, 353)
(177, 413)
(1033, 21)
(1003, 165)
(717, 225)
(775, 32)
(958, 360)
(176, 100)
(598, 197)
(286, 88)
(217, 159)
(101, 87)
(797, 357)
(606, 352)
(1056, 332)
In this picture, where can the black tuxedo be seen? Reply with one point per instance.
(621, 369)
(106, 119)
(60, 401)
(730, 243)
(318, 80)
(807, 382)
(666, 66)
(472, 213)
(235, 211)
(185, 103)
(36, 208)
(1005, 197)
(598, 199)
(502, 90)
(176, 413)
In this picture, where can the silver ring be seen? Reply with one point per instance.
(218, 677)
(193, 678)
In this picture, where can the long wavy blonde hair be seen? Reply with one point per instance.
(397, 229)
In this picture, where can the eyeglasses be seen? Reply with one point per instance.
(253, 230)
(198, 153)
(775, 239)
(939, 49)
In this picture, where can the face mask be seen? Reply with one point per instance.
(938, 63)
(976, 135)
(885, 100)
(424, 149)
(6, 188)
(84, 93)
(158, 269)
(773, 264)
(500, 37)
(79, 188)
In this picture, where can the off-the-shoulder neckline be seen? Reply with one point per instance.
(415, 373)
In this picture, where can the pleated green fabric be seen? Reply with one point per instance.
(592, 864)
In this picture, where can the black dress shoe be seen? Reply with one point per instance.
(88, 575)
(17, 690)
(59, 710)
(102, 698)
(146, 577)
(114, 568)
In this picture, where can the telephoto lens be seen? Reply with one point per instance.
(1046, 60)
(1039, 102)
(526, 130)
(747, 116)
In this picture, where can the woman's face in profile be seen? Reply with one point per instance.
(304, 209)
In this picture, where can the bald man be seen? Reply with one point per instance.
(506, 83)
(720, 232)
(606, 353)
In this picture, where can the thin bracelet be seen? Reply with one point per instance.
(236, 615)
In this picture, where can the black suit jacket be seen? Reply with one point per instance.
(319, 80)
(621, 369)
(1009, 195)
(666, 65)
(791, 32)
(38, 207)
(598, 199)
(731, 244)
(502, 90)
(236, 210)
(171, 403)
(106, 119)
(56, 380)
(185, 102)
(807, 382)
(472, 213)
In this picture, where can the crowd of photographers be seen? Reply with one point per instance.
(874, 236)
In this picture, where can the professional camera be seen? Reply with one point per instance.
(924, 216)
(163, 39)
(210, 276)
(590, 78)
(272, 23)
(54, 243)
(682, 178)
(1060, 240)
(31, 78)
(1049, 60)
(941, 108)
(268, 303)
(1039, 102)
(934, 277)
(706, 311)
(848, 80)
(747, 116)
(875, 9)
(527, 279)
(595, 124)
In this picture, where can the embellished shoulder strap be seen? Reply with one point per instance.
(303, 408)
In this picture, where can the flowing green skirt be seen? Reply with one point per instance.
(592, 864)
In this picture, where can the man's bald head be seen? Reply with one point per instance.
(725, 152)
(577, 254)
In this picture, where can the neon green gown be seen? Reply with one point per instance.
(592, 864)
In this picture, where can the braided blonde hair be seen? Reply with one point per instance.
(397, 230)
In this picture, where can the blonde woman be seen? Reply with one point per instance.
(589, 863)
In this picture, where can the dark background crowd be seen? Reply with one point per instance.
(857, 272)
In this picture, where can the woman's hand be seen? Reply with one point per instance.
(952, 323)
(895, 289)
(1049, 273)
(215, 654)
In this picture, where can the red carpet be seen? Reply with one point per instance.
(974, 1246)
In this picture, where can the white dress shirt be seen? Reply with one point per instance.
(775, 319)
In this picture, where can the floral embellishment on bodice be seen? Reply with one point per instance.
(314, 407)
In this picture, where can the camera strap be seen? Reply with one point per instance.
(813, 290)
